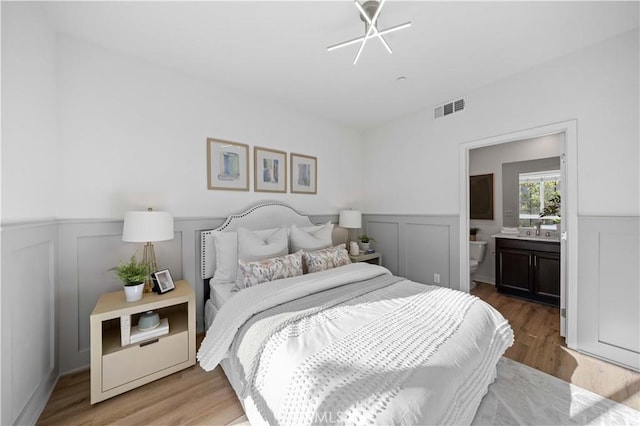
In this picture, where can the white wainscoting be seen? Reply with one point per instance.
(417, 247)
(29, 347)
(609, 288)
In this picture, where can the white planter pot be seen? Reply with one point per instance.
(133, 293)
(365, 246)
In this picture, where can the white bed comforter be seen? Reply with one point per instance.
(355, 345)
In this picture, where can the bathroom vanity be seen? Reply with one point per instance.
(528, 267)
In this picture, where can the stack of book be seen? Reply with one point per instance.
(131, 335)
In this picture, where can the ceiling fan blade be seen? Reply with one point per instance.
(358, 39)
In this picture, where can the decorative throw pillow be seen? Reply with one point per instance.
(326, 259)
(311, 238)
(275, 268)
(259, 245)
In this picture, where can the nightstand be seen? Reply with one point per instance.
(375, 258)
(115, 368)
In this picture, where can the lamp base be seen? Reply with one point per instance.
(149, 259)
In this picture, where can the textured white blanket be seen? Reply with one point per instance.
(256, 299)
(356, 345)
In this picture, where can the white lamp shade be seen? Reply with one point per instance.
(147, 226)
(350, 219)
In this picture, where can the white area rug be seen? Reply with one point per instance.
(522, 395)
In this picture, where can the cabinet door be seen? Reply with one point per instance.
(547, 276)
(514, 269)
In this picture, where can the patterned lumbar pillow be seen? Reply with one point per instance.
(275, 268)
(328, 258)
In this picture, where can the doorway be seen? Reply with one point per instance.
(568, 243)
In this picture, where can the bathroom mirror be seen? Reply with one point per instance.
(511, 172)
(481, 196)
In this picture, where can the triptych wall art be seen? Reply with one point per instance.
(228, 169)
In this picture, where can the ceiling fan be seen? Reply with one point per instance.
(369, 13)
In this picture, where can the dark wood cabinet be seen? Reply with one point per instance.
(529, 269)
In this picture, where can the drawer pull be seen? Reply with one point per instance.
(150, 342)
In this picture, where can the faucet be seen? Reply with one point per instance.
(538, 229)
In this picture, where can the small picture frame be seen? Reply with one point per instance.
(162, 281)
(269, 170)
(227, 165)
(304, 174)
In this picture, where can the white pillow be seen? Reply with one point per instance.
(258, 245)
(311, 238)
(226, 245)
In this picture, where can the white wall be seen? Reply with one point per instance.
(29, 365)
(133, 134)
(489, 159)
(598, 86)
(29, 151)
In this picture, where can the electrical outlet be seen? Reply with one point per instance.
(436, 278)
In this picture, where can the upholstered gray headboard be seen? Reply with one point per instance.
(264, 215)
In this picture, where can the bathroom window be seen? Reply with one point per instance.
(539, 192)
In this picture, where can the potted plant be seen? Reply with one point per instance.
(472, 233)
(133, 275)
(365, 242)
(552, 207)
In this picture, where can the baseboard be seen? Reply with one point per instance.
(75, 370)
(38, 401)
(484, 279)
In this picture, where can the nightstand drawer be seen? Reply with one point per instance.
(136, 361)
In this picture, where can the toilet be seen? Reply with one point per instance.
(477, 250)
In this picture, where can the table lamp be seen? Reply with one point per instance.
(350, 219)
(148, 227)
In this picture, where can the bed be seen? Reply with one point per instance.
(345, 344)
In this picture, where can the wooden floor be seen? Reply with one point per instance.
(194, 396)
(538, 344)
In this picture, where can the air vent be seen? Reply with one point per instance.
(448, 108)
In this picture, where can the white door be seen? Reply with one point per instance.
(563, 242)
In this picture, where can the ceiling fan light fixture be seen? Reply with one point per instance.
(369, 13)
(364, 15)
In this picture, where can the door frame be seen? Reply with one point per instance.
(569, 240)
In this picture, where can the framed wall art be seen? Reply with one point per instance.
(304, 174)
(481, 197)
(269, 170)
(227, 165)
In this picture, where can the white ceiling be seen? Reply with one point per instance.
(277, 50)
